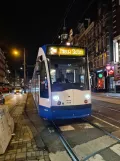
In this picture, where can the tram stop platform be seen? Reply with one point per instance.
(26, 143)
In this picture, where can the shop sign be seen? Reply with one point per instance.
(108, 67)
(117, 82)
(117, 72)
(110, 73)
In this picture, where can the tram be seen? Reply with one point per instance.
(60, 83)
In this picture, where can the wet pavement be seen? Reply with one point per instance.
(35, 139)
(23, 146)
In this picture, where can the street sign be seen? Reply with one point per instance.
(117, 72)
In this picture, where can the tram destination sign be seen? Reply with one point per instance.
(66, 51)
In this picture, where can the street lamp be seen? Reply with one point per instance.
(21, 68)
(16, 53)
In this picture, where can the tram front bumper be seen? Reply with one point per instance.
(65, 112)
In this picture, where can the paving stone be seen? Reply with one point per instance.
(37, 153)
(15, 146)
(32, 160)
(13, 156)
(30, 149)
(20, 146)
(23, 146)
(7, 157)
(12, 151)
(34, 146)
(2, 156)
(40, 157)
(23, 149)
(21, 156)
(41, 152)
(46, 158)
(33, 154)
(2, 159)
(19, 150)
(29, 145)
(36, 149)
(45, 153)
(19, 159)
(29, 154)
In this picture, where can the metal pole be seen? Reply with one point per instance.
(24, 71)
(15, 79)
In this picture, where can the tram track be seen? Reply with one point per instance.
(67, 146)
(101, 114)
(105, 111)
(69, 149)
(64, 139)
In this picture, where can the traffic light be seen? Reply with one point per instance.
(100, 75)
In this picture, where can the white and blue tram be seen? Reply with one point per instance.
(60, 83)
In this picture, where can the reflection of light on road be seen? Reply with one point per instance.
(66, 128)
(15, 97)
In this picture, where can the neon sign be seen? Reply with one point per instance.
(111, 72)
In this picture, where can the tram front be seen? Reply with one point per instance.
(69, 77)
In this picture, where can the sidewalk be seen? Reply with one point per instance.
(114, 95)
(107, 97)
(23, 146)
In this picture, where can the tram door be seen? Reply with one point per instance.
(44, 93)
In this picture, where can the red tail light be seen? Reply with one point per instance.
(85, 101)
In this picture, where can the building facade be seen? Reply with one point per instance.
(116, 41)
(97, 38)
(2, 66)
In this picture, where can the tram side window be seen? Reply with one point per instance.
(43, 81)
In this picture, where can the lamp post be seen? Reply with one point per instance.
(24, 71)
(16, 53)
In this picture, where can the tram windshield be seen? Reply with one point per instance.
(69, 74)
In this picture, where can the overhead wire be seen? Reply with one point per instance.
(66, 14)
(89, 5)
(63, 19)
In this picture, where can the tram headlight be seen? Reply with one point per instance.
(55, 98)
(87, 96)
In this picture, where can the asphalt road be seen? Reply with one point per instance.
(109, 112)
(12, 101)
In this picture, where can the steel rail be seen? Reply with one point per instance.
(65, 143)
(103, 130)
(100, 128)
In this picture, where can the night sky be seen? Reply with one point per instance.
(31, 24)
